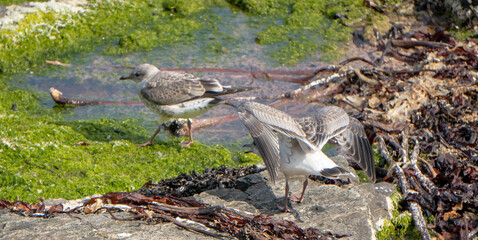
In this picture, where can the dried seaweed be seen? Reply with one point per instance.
(439, 110)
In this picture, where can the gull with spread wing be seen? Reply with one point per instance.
(293, 146)
(177, 94)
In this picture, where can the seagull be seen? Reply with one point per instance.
(177, 95)
(293, 146)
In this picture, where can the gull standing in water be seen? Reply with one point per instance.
(294, 146)
(177, 94)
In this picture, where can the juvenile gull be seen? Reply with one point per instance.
(177, 94)
(294, 146)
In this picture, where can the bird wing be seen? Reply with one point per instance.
(168, 88)
(326, 123)
(279, 121)
(265, 140)
(211, 85)
(354, 142)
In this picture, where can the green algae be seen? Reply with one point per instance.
(311, 26)
(38, 37)
(401, 225)
(463, 35)
(186, 7)
(260, 7)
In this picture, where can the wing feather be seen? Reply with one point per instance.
(279, 121)
(326, 123)
(167, 88)
(266, 142)
(211, 85)
(355, 143)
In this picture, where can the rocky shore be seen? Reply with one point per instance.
(350, 211)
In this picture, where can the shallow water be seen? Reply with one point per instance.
(96, 76)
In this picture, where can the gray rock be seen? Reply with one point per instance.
(91, 226)
(355, 210)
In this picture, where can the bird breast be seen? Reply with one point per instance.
(295, 161)
(188, 109)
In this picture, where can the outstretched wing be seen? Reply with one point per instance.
(325, 124)
(355, 143)
(279, 121)
(265, 141)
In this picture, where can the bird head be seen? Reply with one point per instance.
(141, 72)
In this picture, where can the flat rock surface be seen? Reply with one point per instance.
(90, 226)
(354, 210)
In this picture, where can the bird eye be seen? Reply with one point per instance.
(138, 74)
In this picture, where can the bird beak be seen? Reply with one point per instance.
(124, 78)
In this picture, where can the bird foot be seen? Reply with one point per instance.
(284, 208)
(145, 144)
(186, 143)
(295, 198)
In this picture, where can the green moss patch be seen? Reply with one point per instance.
(310, 26)
(260, 7)
(401, 225)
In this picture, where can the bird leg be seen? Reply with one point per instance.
(191, 140)
(286, 198)
(301, 198)
(150, 142)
